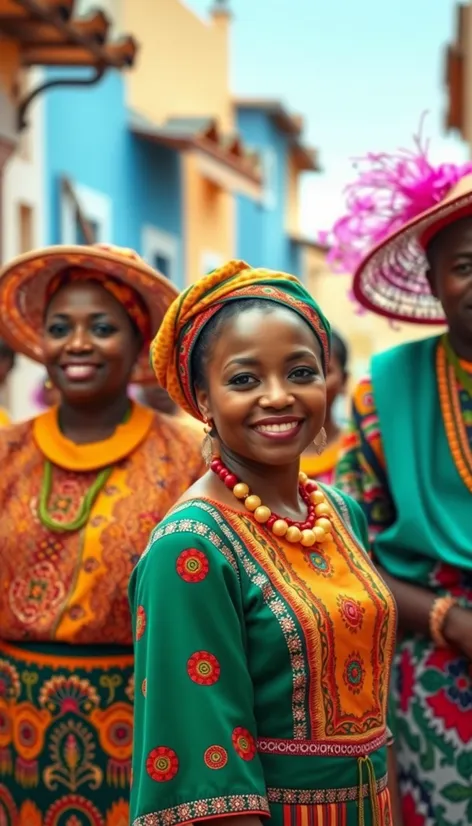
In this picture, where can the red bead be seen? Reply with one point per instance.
(271, 521)
(310, 487)
(305, 527)
(231, 480)
(216, 465)
(223, 474)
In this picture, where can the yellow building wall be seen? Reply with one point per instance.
(183, 64)
(210, 231)
(292, 207)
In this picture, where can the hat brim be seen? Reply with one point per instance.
(24, 282)
(391, 280)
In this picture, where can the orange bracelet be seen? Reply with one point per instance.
(437, 617)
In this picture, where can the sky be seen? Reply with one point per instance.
(361, 72)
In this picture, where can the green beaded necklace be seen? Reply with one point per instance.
(87, 502)
(464, 378)
(85, 508)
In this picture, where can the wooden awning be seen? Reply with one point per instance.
(48, 34)
(201, 135)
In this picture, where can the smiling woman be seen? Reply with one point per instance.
(256, 597)
(81, 487)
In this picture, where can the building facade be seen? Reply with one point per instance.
(268, 229)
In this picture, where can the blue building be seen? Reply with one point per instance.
(267, 231)
(127, 189)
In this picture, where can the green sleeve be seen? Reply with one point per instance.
(195, 754)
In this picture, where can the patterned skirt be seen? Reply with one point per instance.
(432, 722)
(66, 716)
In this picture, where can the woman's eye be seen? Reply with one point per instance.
(103, 330)
(303, 373)
(57, 329)
(464, 268)
(243, 380)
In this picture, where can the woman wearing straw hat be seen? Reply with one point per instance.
(263, 632)
(81, 485)
(408, 458)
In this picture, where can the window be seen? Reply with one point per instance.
(161, 250)
(95, 208)
(269, 176)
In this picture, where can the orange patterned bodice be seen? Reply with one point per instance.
(72, 587)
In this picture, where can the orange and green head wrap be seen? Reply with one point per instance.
(172, 348)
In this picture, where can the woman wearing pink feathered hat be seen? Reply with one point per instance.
(407, 458)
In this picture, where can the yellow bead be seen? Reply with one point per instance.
(328, 537)
(308, 538)
(280, 527)
(319, 534)
(293, 534)
(317, 497)
(323, 523)
(302, 477)
(252, 502)
(322, 509)
(262, 514)
(241, 490)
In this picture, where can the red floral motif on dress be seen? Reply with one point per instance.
(140, 622)
(215, 757)
(192, 565)
(156, 474)
(352, 613)
(354, 673)
(69, 804)
(36, 595)
(203, 668)
(162, 764)
(244, 743)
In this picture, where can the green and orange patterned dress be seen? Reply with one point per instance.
(262, 672)
(407, 459)
(66, 660)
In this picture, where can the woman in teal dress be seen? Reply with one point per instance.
(263, 634)
(407, 460)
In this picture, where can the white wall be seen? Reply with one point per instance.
(24, 184)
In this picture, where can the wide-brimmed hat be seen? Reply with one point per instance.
(24, 283)
(394, 208)
(392, 280)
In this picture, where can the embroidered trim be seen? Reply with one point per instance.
(279, 610)
(313, 797)
(194, 527)
(318, 748)
(453, 419)
(248, 804)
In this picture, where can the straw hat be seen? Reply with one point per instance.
(391, 280)
(24, 282)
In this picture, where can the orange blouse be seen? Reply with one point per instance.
(72, 586)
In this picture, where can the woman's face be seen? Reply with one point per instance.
(266, 393)
(90, 345)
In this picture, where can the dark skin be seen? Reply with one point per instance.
(90, 348)
(259, 370)
(450, 278)
(335, 385)
(6, 366)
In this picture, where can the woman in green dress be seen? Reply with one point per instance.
(263, 635)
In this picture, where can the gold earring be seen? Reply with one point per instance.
(207, 444)
(48, 385)
(321, 441)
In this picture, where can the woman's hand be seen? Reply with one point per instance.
(457, 630)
